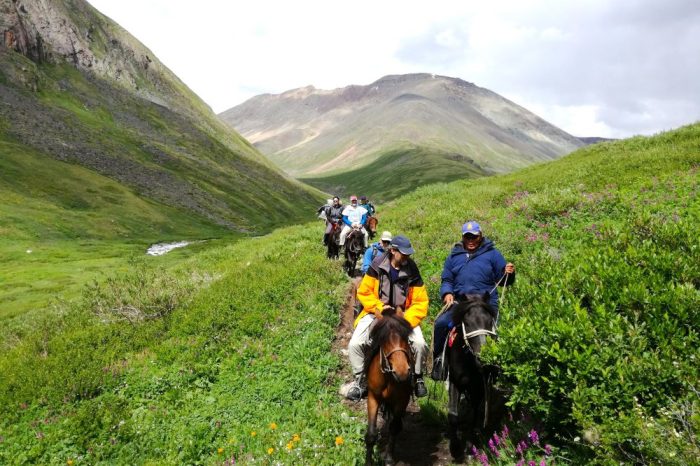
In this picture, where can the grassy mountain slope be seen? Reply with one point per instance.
(598, 338)
(311, 132)
(398, 172)
(78, 88)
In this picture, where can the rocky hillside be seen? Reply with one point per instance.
(79, 89)
(311, 132)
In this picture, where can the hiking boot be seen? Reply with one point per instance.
(356, 391)
(437, 373)
(419, 388)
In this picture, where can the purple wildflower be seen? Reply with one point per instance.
(531, 463)
(505, 431)
(520, 463)
(484, 459)
(492, 447)
(543, 462)
(496, 439)
(547, 449)
(534, 438)
(475, 452)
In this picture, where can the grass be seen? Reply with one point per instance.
(398, 172)
(597, 338)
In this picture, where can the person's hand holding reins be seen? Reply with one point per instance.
(448, 299)
(510, 268)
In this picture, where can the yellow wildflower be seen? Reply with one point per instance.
(290, 445)
(273, 426)
(69, 462)
(253, 434)
(220, 450)
(270, 450)
(339, 440)
(296, 438)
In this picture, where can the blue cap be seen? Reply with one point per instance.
(402, 244)
(471, 227)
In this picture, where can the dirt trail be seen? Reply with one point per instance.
(420, 443)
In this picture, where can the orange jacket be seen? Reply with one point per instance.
(408, 292)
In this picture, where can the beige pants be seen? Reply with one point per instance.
(344, 234)
(360, 342)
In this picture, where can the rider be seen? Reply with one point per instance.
(474, 266)
(376, 249)
(354, 217)
(334, 213)
(364, 202)
(393, 280)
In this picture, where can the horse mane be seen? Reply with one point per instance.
(382, 328)
(473, 301)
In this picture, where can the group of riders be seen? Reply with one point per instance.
(392, 280)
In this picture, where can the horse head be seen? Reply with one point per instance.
(389, 336)
(475, 319)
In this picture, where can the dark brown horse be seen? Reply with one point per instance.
(354, 247)
(389, 371)
(334, 241)
(371, 226)
(471, 382)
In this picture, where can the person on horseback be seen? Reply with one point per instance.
(364, 202)
(375, 249)
(474, 266)
(392, 281)
(354, 218)
(334, 214)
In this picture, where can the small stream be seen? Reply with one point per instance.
(164, 248)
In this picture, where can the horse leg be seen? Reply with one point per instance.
(395, 427)
(371, 434)
(456, 444)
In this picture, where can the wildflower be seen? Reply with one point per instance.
(547, 449)
(273, 426)
(220, 451)
(339, 441)
(543, 462)
(492, 447)
(520, 463)
(505, 431)
(253, 434)
(484, 459)
(290, 445)
(496, 439)
(270, 450)
(296, 438)
(577, 439)
(69, 462)
(531, 463)
(475, 452)
(534, 438)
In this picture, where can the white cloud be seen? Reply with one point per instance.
(591, 67)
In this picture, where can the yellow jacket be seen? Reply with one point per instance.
(408, 292)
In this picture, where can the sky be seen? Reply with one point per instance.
(607, 68)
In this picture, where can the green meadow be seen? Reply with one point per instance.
(223, 351)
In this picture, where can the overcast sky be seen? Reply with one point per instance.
(611, 68)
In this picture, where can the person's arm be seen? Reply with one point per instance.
(367, 295)
(367, 260)
(346, 220)
(448, 280)
(418, 297)
(500, 267)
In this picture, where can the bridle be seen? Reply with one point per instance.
(385, 364)
(476, 333)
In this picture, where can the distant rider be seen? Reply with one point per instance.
(354, 217)
(375, 249)
(474, 266)
(334, 214)
(364, 202)
(392, 280)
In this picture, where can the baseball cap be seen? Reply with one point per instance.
(386, 236)
(353, 198)
(471, 227)
(402, 244)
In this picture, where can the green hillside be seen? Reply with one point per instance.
(227, 355)
(398, 172)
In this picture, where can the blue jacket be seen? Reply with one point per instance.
(475, 273)
(373, 251)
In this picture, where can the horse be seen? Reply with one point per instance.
(371, 226)
(334, 241)
(473, 319)
(389, 372)
(354, 246)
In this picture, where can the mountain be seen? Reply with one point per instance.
(90, 108)
(313, 133)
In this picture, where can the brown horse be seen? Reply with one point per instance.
(334, 241)
(371, 226)
(389, 371)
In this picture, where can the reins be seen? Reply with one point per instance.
(385, 364)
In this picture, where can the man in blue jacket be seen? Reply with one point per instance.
(474, 266)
